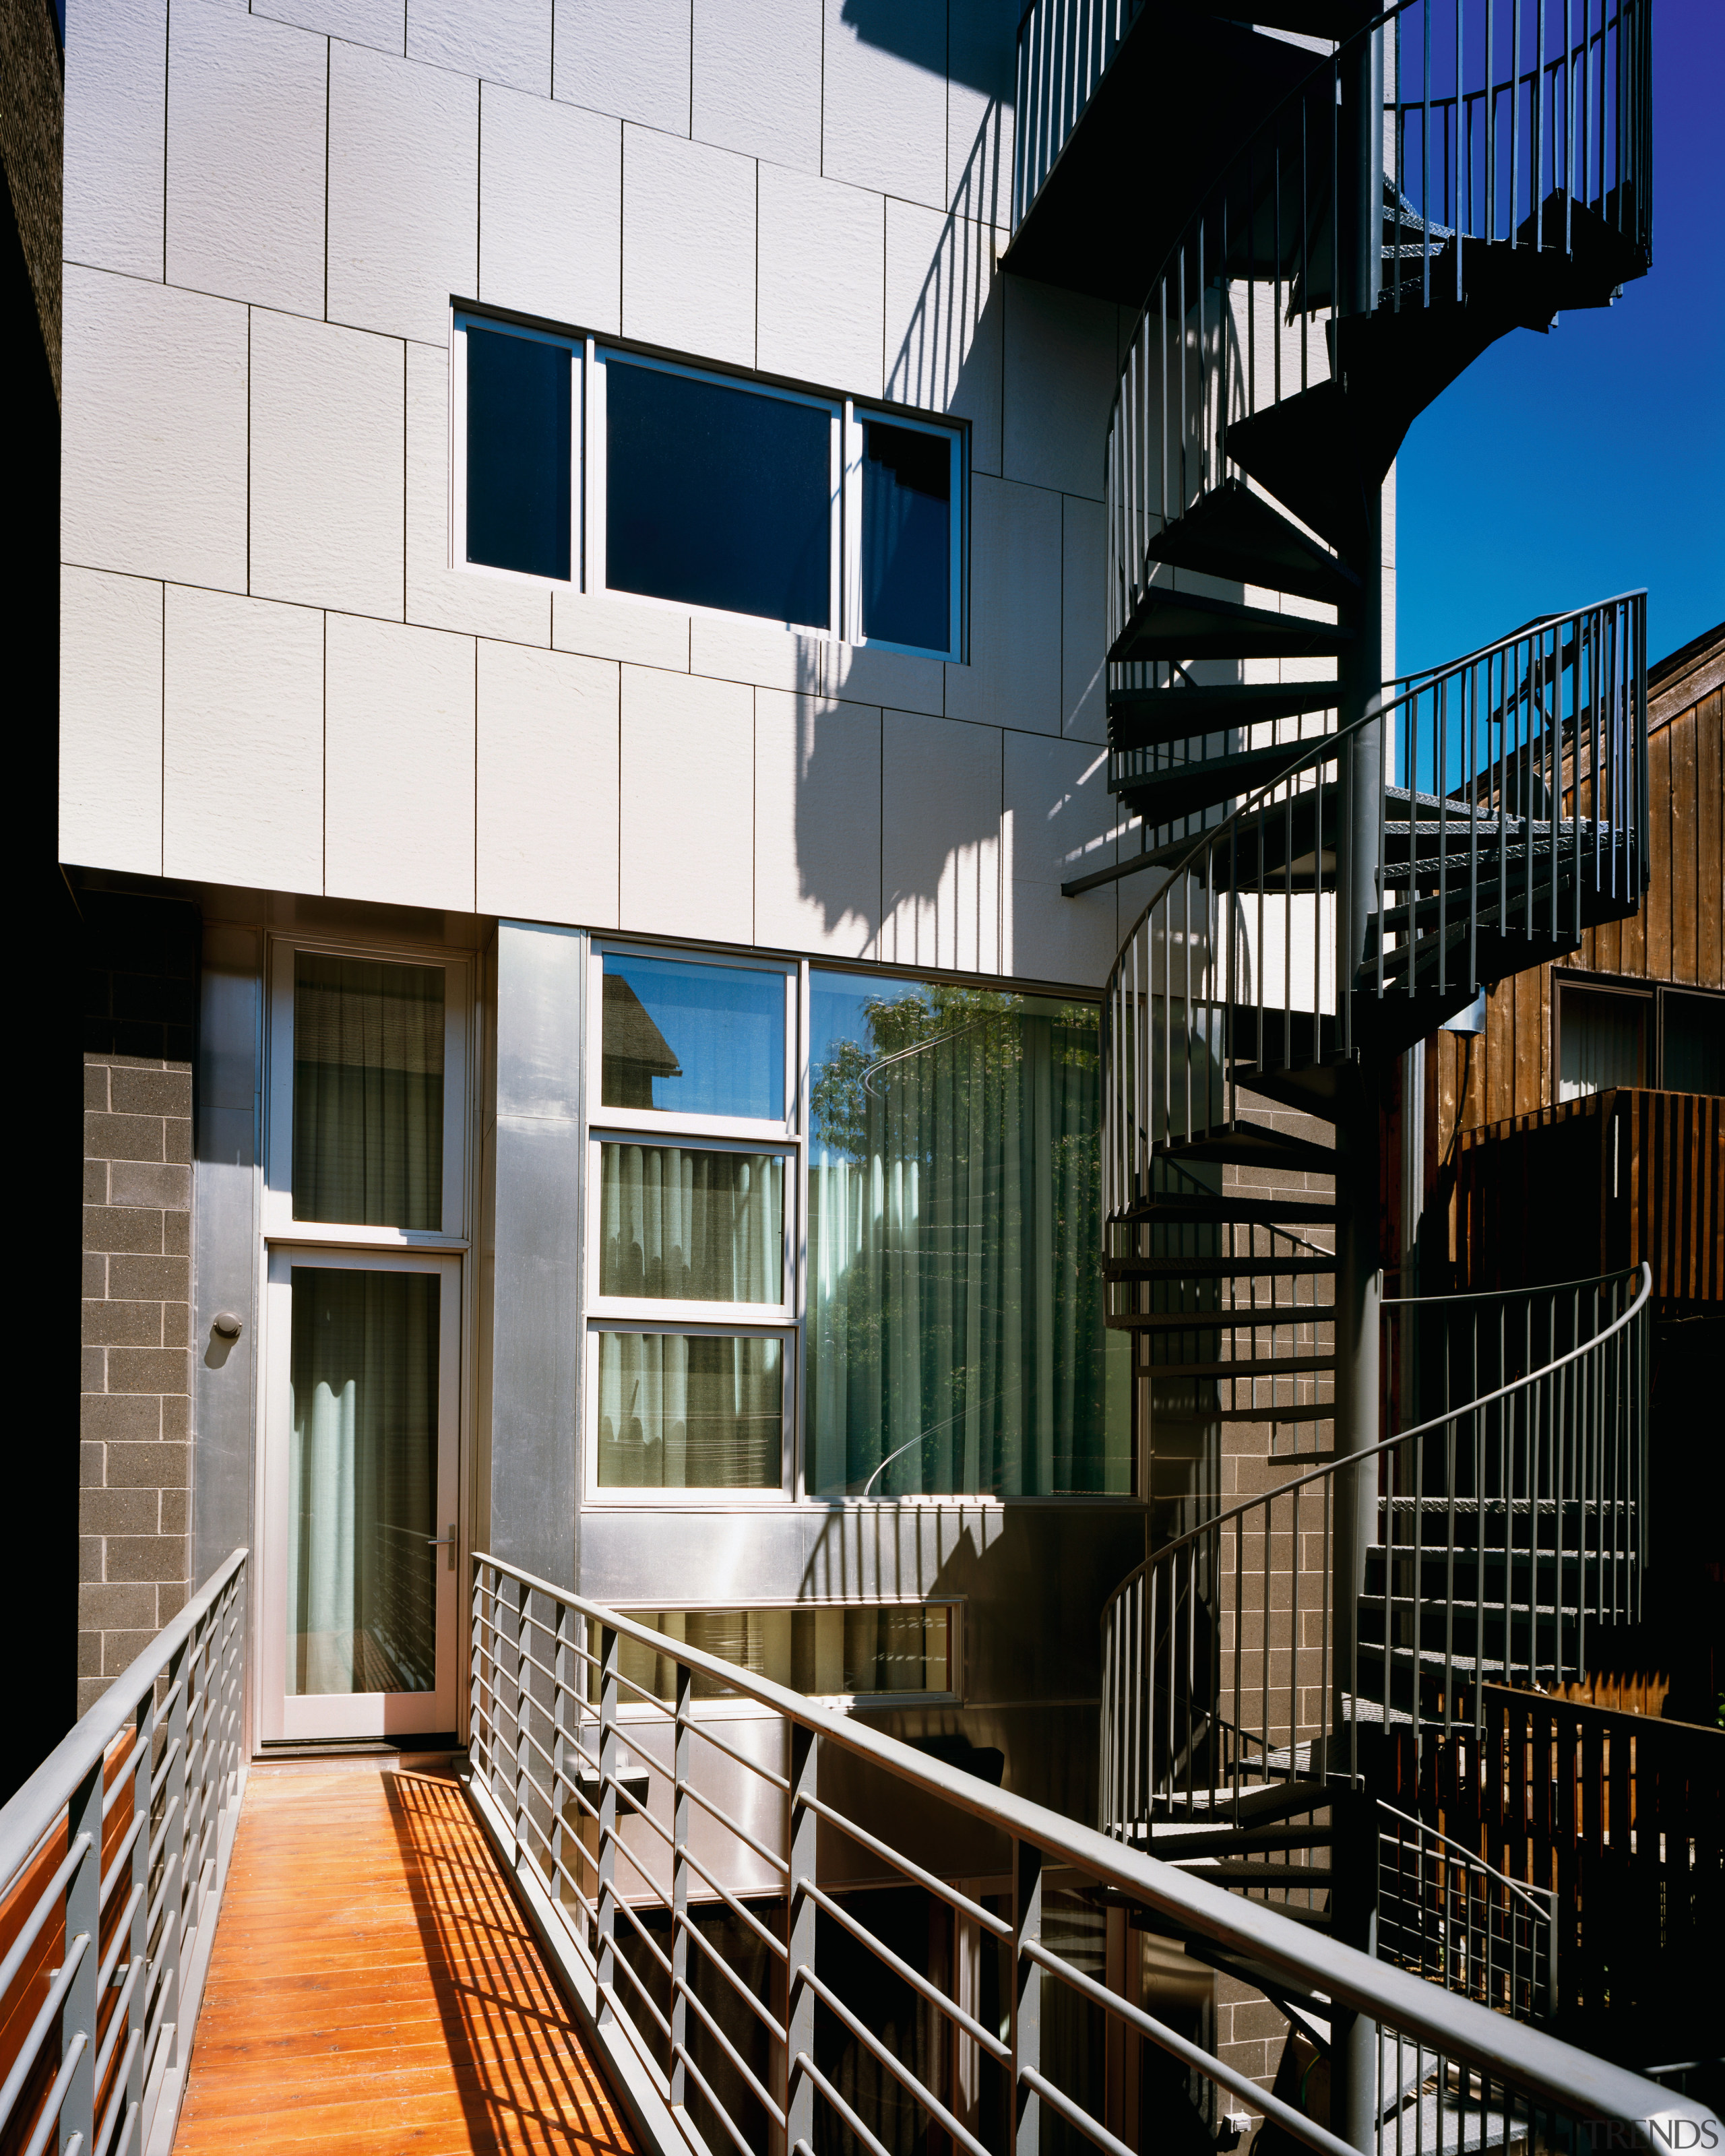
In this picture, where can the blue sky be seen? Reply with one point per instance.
(1568, 468)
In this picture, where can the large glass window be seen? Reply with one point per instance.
(367, 1092)
(680, 1411)
(866, 1649)
(1693, 1048)
(638, 477)
(955, 1341)
(1602, 1041)
(716, 495)
(694, 1040)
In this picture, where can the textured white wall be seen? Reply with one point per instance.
(273, 675)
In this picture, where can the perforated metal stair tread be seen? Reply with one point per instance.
(1236, 535)
(1243, 1368)
(1229, 1268)
(1246, 1872)
(1188, 626)
(1172, 790)
(1259, 1212)
(1244, 1144)
(1151, 718)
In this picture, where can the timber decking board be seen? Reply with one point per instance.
(374, 1986)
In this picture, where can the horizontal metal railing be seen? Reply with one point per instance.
(113, 1857)
(1512, 1515)
(1510, 781)
(690, 1868)
(1451, 1917)
(1501, 121)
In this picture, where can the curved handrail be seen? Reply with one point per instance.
(1349, 1461)
(1514, 122)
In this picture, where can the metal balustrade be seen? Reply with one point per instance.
(1511, 1516)
(679, 1860)
(1447, 1914)
(1516, 174)
(113, 1856)
(1065, 47)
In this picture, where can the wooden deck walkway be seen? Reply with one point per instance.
(374, 1986)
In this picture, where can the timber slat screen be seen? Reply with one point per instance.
(1623, 1175)
(1621, 1816)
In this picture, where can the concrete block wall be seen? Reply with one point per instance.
(140, 998)
(274, 676)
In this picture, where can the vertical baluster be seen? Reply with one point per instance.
(138, 1946)
(608, 1748)
(82, 1917)
(1026, 2024)
(682, 1820)
(523, 1712)
(801, 1826)
(173, 1881)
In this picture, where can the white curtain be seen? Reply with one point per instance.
(690, 1411)
(368, 1092)
(955, 1336)
(695, 1226)
(362, 1481)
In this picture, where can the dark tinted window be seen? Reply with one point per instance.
(1694, 1044)
(907, 536)
(716, 497)
(518, 453)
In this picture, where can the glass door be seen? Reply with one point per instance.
(360, 1560)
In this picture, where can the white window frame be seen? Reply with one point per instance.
(652, 1308)
(590, 357)
(780, 1321)
(278, 1220)
(463, 319)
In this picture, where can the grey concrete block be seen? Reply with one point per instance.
(151, 1092)
(121, 1138)
(122, 1228)
(143, 1183)
(148, 1466)
(149, 1370)
(122, 1325)
(150, 1279)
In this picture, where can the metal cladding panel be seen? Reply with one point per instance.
(534, 1361)
(224, 1243)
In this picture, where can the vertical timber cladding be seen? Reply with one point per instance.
(139, 1024)
(1676, 936)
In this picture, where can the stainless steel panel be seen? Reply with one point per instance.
(225, 1200)
(541, 975)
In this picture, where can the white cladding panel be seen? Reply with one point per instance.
(806, 188)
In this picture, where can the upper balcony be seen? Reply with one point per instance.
(1122, 107)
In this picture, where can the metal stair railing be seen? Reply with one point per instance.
(1555, 106)
(1447, 1915)
(1224, 1664)
(680, 1863)
(1240, 961)
(1525, 763)
(122, 1836)
(1064, 50)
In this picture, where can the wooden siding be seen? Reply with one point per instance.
(1595, 1186)
(1677, 939)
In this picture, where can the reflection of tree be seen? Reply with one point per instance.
(957, 1317)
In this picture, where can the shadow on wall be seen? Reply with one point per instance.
(933, 863)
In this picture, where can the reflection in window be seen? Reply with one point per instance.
(1602, 1042)
(692, 1039)
(717, 496)
(368, 1092)
(518, 453)
(955, 1334)
(907, 536)
(361, 1587)
(691, 1225)
(866, 1649)
(686, 1411)
(1694, 1043)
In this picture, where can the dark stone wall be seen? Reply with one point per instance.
(134, 1419)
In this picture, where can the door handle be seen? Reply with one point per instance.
(445, 1541)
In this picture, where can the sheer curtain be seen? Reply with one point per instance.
(362, 1481)
(690, 1411)
(691, 1225)
(955, 1336)
(368, 1092)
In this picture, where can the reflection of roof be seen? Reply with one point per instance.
(631, 1036)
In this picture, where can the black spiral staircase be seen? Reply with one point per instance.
(1341, 862)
